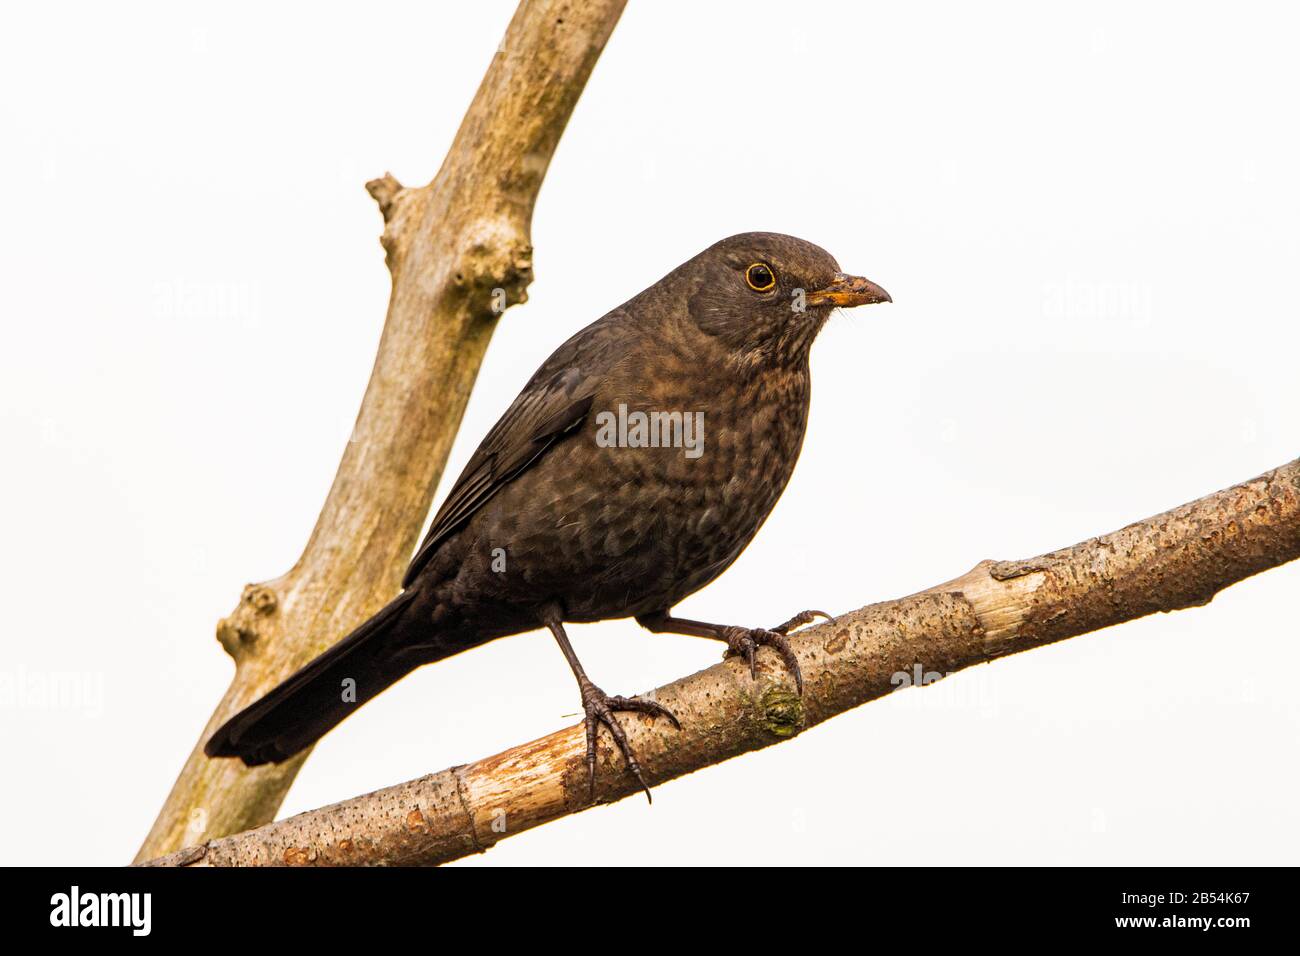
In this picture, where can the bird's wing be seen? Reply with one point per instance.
(553, 405)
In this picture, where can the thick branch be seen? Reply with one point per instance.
(1178, 559)
(459, 250)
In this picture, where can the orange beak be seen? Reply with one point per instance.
(847, 291)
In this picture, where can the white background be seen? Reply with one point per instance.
(1087, 220)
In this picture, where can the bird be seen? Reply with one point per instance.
(635, 466)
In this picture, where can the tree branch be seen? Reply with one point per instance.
(458, 249)
(1178, 559)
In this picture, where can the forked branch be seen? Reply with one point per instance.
(459, 250)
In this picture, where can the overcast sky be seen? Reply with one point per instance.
(1086, 218)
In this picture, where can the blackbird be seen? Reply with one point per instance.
(632, 470)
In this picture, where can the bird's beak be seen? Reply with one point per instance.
(848, 291)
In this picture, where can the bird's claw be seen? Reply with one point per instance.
(799, 620)
(745, 642)
(599, 708)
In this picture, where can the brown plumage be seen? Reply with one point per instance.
(561, 516)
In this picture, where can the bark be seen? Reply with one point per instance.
(1178, 559)
(459, 250)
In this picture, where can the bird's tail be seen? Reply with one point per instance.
(312, 701)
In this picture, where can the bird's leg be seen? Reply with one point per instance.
(599, 708)
(741, 641)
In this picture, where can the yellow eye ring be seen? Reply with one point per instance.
(760, 278)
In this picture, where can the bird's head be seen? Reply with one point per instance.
(766, 296)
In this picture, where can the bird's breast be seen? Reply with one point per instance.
(701, 461)
(663, 485)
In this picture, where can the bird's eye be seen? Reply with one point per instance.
(760, 277)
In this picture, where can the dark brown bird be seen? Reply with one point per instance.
(633, 469)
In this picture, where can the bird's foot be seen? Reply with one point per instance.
(745, 642)
(599, 708)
